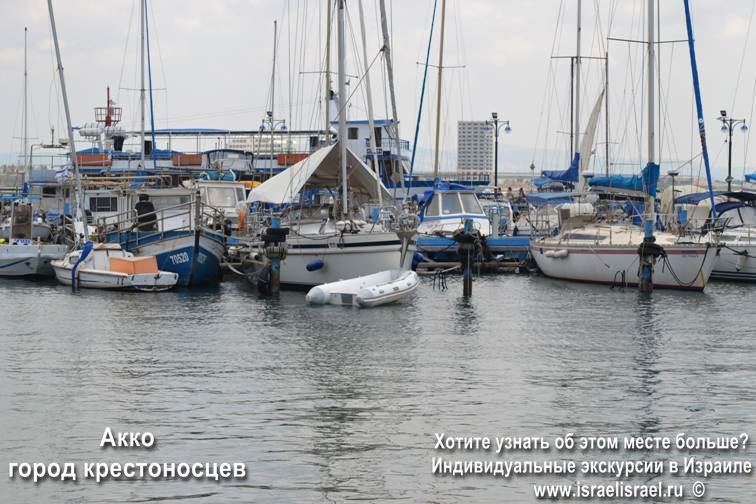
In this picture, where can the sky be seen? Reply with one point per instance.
(212, 61)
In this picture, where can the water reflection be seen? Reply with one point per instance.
(334, 404)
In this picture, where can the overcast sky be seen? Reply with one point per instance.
(211, 63)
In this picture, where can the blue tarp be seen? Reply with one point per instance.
(646, 182)
(571, 174)
(540, 199)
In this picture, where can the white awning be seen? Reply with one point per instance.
(319, 170)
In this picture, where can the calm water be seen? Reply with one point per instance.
(332, 404)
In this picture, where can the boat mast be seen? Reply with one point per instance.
(71, 144)
(699, 106)
(342, 111)
(273, 94)
(651, 90)
(327, 130)
(392, 92)
(142, 90)
(646, 283)
(576, 145)
(438, 94)
(27, 161)
(371, 122)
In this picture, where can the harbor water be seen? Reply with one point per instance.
(331, 404)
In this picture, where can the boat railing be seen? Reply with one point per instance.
(126, 226)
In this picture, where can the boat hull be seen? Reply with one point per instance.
(175, 252)
(95, 279)
(736, 263)
(29, 260)
(342, 257)
(366, 291)
(691, 266)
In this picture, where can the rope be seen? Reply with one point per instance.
(674, 275)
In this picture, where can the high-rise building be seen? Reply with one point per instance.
(475, 147)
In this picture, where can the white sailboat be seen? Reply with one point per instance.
(621, 253)
(325, 244)
(22, 251)
(334, 241)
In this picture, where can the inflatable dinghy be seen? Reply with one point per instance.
(366, 291)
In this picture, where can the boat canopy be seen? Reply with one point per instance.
(541, 199)
(646, 182)
(695, 198)
(422, 199)
(319, 170)
(751, 177)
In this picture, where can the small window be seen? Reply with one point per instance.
(470, 203)
(451, 204)
(353, 134)
(103, 204)
(432, 208)
(49, 191)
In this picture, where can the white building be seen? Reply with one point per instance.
(475, 147)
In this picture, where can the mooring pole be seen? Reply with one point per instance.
(466, 248)
(275, 263)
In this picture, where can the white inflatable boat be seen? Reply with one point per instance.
(366, 291)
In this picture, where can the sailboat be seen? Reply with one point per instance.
(333, 240)
(621, 253)
(22, 251)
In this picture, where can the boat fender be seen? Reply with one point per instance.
(740, 262)
(418, 258)
(316, 295)
(560, 254)
(315, 265)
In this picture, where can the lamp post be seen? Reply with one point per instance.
(728, 125)
(272, 123)
(507, 129)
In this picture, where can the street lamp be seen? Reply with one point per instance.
(507, 129)
(728, 125)
(272, 123)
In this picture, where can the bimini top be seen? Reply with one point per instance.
(695, 198)
(320, 170)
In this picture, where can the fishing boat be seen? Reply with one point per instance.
(182, 237)
(623, 253)
(366, 291)
(108, 266)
